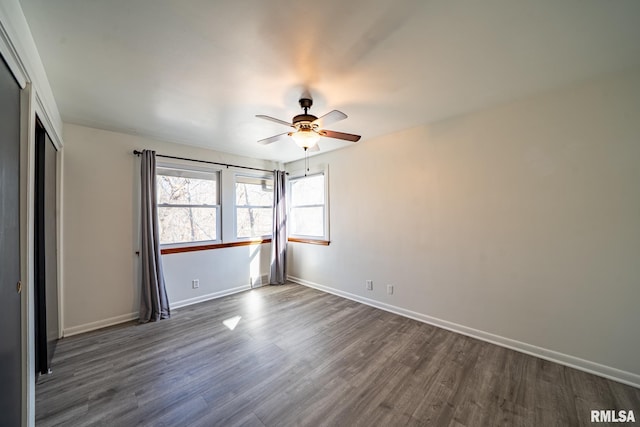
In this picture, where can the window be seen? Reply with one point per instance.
(307, 213)
(188, 205)
(254, 206)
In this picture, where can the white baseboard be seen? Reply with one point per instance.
(92, 326)
(207, 297)
(608, 372)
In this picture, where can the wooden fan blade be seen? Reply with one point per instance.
(273, 119)
(329, 118)
(313, 149)
(273, 138)
(340, 135)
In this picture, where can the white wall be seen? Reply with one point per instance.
(100, 282)
(219, 271)
(521, 221)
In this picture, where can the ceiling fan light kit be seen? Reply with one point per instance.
(305, 138)
(308, 127)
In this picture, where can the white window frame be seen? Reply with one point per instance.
(218, 207)
(324, 171)
(236, 206)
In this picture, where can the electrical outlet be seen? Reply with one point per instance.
(390, 289)
(370, 285)
(195, 283)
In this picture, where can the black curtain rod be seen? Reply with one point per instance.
(137, 153)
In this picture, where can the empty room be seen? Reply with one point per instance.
(275, 213)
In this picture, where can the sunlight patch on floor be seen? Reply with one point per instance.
(232, 322)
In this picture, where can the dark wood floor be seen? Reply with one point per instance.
(302, 357)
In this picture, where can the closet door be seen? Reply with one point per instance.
(10, 305)
(46, 267)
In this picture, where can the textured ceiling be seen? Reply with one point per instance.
(198, 71)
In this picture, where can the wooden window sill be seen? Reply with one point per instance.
(194, 248)
(310, 241)
(167, 251)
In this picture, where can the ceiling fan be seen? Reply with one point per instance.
(308, 128)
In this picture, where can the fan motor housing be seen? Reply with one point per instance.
(304, 121)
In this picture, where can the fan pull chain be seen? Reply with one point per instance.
(306, 161)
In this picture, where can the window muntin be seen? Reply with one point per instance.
(307, 213)
(254, 206)
(188, 205)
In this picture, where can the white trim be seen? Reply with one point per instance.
(92, 326)
(608, 372)
(258, 175)
(207, 297)
(21, 54)
(47, 123)
(215, 175)
(99, 324)
(60, 237)
(11, 57)
(27, 179)
(297, 175)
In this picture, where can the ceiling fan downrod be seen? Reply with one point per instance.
(305, 104)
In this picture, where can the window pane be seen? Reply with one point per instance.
(307, 221)
(186, 190)
(254, 192)
(254, 222)
(307, 191)
(179, 225)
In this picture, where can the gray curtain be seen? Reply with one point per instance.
(154, 304)
(278, 273)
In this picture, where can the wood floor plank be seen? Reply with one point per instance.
(298, 356)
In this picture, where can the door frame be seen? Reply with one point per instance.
(44, 208)
(21, 55)
(26, 257)
(30, 108)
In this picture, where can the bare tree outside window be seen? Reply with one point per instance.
(254, 206)
(187, 205)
